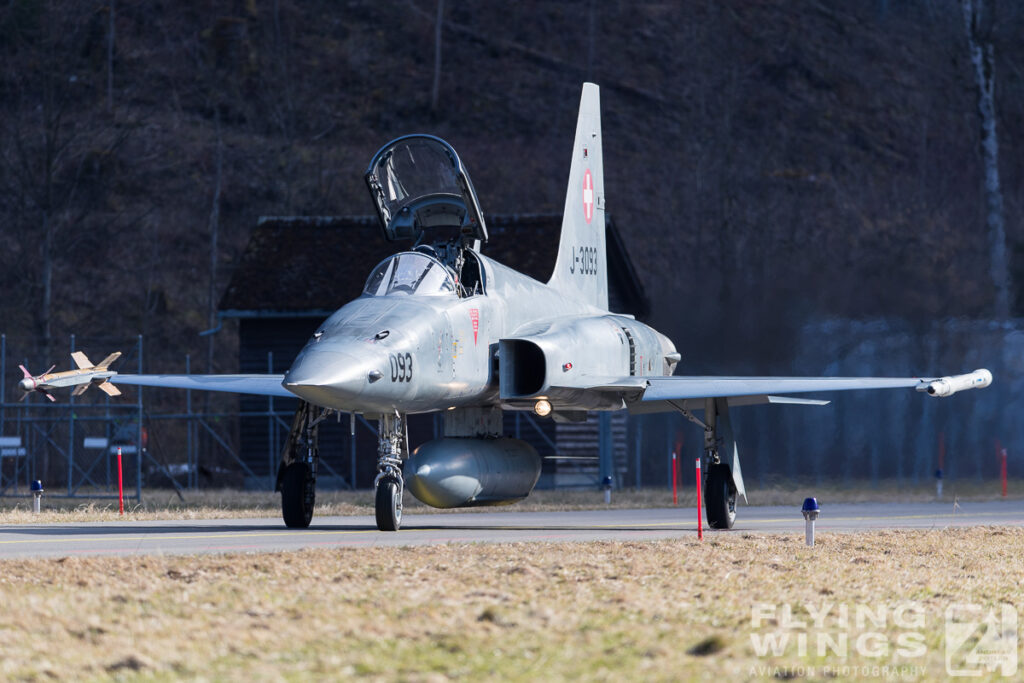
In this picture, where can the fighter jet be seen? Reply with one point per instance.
(440, 327)
(83, 378)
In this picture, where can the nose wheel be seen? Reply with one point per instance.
(392, 449)
(389, 504)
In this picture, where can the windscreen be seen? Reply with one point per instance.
(407, 274)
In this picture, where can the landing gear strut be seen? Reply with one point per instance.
(392, 449)
(722, 479)
(296, 476)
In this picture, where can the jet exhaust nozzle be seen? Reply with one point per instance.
(947, 386)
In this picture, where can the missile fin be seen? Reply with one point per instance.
(81, 360)
(105, 363)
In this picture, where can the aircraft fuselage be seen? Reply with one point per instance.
(410, 353)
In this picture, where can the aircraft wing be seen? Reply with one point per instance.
(713, 387)
(263, 385)
(670, 393)
(656, 394)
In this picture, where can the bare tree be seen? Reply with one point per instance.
(983, 60)
(214, 238)
(438, 22)
(45, 150)
(110, 59)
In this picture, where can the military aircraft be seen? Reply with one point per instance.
(442, 327)
(84, 377)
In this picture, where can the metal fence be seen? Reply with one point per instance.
(71, 443)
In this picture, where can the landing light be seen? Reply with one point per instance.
(542, 408)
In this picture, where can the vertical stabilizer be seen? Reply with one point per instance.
(581, 271)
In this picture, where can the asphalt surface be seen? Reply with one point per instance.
(507, 526)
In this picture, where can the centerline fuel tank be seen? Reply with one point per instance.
(465, 472)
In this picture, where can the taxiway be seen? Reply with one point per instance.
(181, 537)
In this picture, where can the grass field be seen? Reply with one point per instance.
(221, 503)
(673, 610)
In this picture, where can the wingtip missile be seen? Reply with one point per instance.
(947, 386)
(86, 375)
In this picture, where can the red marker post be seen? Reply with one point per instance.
(675, 479)
(120, 483)
(700, 520)
(1002, 471)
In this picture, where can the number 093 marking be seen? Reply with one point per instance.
(401, 367)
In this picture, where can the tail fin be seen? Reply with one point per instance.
(581, 271)
(105, 363)
(81, 360)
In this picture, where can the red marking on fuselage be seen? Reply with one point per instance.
(474, 317)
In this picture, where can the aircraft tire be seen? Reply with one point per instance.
(388, 505)
(719, 498)
(298, 494)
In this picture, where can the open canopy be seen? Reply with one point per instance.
(418, 183)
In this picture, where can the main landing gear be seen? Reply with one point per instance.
(392, 449)
(723, 480)
(296, 476)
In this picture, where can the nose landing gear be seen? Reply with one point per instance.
(392, 449)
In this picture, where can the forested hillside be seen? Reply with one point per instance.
(768, 162)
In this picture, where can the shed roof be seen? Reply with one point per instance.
(309, 266)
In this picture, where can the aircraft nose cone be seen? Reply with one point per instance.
(27, 384)
(331, 378)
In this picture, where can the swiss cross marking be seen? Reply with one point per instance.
(588, 196)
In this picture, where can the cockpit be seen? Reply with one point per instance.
(423, 193)
(410, 273)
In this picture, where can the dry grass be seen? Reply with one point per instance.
(218, 504)
(673, 610)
